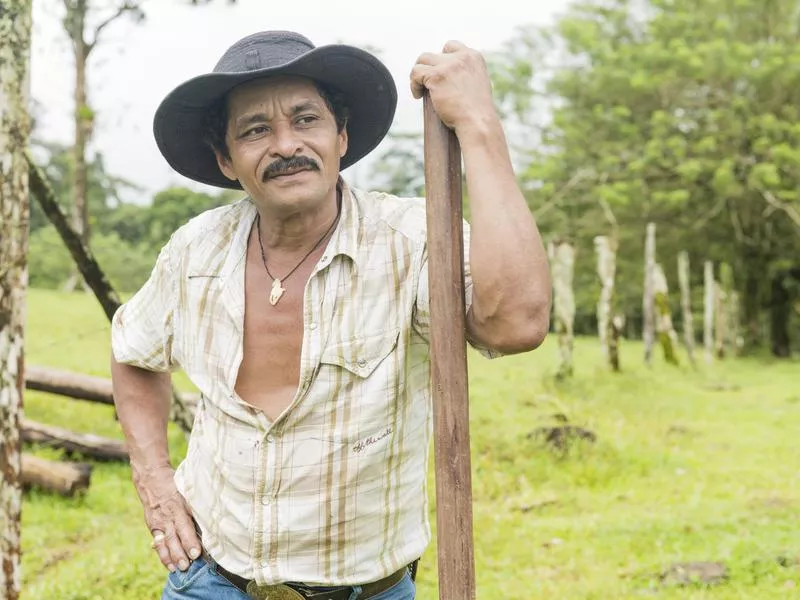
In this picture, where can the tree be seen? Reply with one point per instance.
(674, 112)
(83, 43)
(84, 22)
(15, 31)
(400, 170)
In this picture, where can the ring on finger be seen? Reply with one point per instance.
(158, 537)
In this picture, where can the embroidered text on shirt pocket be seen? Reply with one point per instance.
(363, 353)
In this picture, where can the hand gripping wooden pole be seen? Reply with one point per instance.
(448, 359)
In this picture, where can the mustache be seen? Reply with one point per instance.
(287, 165)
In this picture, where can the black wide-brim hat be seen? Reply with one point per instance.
(180, 123)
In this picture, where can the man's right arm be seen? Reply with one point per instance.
(143, 399)
(141, 361)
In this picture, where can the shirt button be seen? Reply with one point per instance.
(313, 326)
(270, 438)
(265, 499)
(264, 563)
(362, 362)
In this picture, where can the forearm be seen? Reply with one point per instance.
(510, 275)
(142, 399)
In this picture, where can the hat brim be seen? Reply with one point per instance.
(179, 125)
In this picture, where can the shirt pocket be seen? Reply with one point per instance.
(368, 381)
(363, 353)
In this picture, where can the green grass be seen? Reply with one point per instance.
(680, 472)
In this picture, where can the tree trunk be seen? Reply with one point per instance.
(780, 314)
(721, 313)
(617, 323)
(562, 257)
(83, 123)
(753, 273)
(65, 479)
(725, 336)
(708, 312)
(15, 31)
(666, 332)
(684, 271)
(648, 300)
(606, 271)
(85, 444)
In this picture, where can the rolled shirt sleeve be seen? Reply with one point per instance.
(142, 328)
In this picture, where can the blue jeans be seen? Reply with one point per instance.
(201, 582)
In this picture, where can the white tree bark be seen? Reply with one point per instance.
(726, 309)
(562, 268)
(708, 313)
(666, 332)
(606, 271)
(648, 299)
(684, 271)
(15, 29)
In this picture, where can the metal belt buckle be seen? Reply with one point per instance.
(272, 592)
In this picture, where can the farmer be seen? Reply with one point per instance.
(301, 314)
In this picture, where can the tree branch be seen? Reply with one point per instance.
(125, 7)
(785, 207)
(556, 198)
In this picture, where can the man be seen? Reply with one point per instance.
(301, 314)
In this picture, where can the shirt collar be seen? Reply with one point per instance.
(345, 237)
(344, 240)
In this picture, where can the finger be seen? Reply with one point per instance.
(177, 556)
(187, 534)
(158, 537)
(453, 46)
(160, 546)
(430, 58)
(420, 78)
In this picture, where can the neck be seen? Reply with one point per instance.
(297, 231)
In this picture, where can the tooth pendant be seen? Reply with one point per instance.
(276, 292)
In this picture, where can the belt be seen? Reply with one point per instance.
(297, 591)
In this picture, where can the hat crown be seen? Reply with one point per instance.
(263, 49)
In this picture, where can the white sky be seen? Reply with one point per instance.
(137, 65)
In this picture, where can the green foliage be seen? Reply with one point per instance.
(126, 265)
(127, 237)
(681, 471)
(400, 170)
(676, 112)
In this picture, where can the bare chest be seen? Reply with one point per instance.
(273, 336)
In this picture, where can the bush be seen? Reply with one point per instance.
(50, 265)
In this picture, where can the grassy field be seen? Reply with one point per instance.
(687, 466)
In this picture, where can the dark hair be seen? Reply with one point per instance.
(217, 116)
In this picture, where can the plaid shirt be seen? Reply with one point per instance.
(334, 491)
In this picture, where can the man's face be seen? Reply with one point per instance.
(283, 143)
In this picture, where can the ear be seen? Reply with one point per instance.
(343, 141)
(224, 165)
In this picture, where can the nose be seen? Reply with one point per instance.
(285, 141)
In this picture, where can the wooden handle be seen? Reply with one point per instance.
(449, 359)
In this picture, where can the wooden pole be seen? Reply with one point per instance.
(449, 360)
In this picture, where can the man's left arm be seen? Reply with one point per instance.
(511, 288)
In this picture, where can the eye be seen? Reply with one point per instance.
(307, 119)
(257, 130)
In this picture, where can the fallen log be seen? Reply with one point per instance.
(66, 479)
(73, 385)
(85, 444)
(80, 386)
